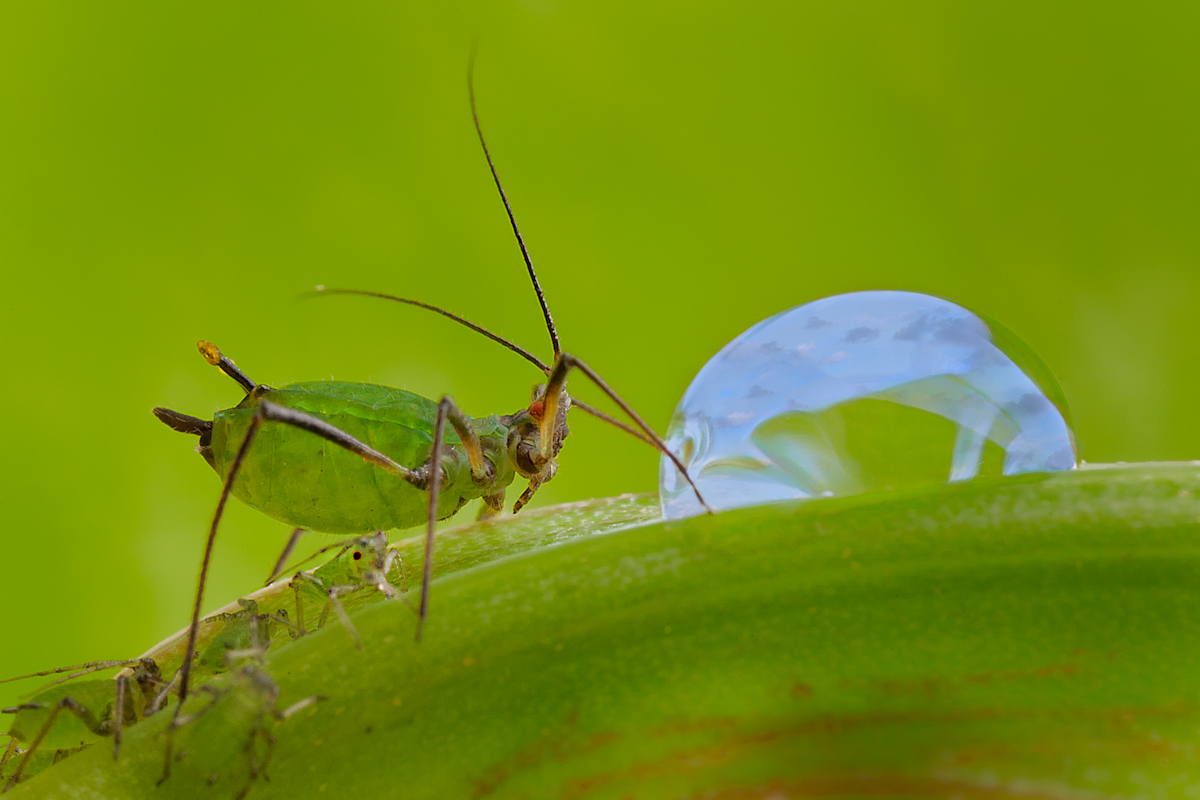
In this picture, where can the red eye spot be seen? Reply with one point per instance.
(357, 555)
(536, 409)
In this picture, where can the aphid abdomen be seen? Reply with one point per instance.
(305, 481)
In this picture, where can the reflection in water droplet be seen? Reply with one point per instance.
(863, 392)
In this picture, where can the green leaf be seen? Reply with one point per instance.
(1032, 636)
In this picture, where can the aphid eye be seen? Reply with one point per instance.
(357, 555)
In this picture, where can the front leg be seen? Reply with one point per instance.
(299, 583)
(397, 567)
(332, 593)
(8, 751)
(492, 505)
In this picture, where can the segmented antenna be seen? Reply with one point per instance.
(537, 287)
(530, 357)
(521, 351)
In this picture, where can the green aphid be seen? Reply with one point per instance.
(49, 734)
(362, 565)
(225, 731)
(245, 634)
(94, 710)
(354, 458)
(243, 640)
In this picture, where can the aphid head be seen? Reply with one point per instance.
(147, 675)
(525, 434)
(368, 552)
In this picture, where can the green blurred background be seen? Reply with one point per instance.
(174, 172)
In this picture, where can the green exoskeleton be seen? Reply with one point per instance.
(354, 458)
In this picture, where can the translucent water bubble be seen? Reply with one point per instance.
(863, 392)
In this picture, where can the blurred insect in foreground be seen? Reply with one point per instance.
(139, 691)
(243, 728)
(413, 470)
(247, 696)
(101, 708)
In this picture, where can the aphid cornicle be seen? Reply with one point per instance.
(354, 458)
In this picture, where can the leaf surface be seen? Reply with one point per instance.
(1035, 636)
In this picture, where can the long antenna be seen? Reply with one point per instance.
(537, 287)
(521, 351)
(530, 357)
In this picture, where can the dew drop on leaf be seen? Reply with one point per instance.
(863, 392)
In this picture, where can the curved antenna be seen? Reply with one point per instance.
(521, 351)
(532, 359)
(76, 670)
(537, 287)
(85, 667)
(600, 415)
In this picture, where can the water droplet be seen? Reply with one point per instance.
(862, 392)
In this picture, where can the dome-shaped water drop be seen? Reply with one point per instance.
(861, 392)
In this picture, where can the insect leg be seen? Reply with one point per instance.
(482, 470)
(299, 604)
(343, 617)
(270, 411)
(535, 483)
(299, 706)
(435, 491)
(563, 364)
(251, 756)
(493, 504)
(269, 737)
(379, 577)
(119, 714)
(180, 720)
(266, 761)
(265, 411)
(394, 563)
(256, 640)
(303, 578)
(194, 628)
(68, 703)
(161, 697)
(8, 751)
(292, 541)
(281, 618)
(397, 566)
